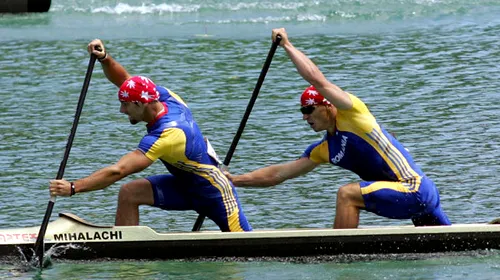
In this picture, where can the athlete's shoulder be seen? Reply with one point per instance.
(315, 144)
(164, 93)
(317, 151)
(167, 95)
(357, 104)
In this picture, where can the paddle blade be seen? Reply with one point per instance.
(39, 245)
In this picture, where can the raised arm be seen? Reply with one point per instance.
(113, 70)
(311, 73)
(274, 174)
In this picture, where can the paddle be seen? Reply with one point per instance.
(232, 148)
(39, 246)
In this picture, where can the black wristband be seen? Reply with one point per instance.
(72, 189)
(104, 57)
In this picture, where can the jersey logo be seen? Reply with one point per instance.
(338, 157)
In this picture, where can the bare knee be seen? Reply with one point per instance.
(137, 192)
(126, 192)
(350, 195)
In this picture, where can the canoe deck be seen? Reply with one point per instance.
(71, 237)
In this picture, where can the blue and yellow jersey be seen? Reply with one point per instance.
(362, 146)
(176, 140)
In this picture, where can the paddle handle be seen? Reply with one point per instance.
(39, 248)
(201, 218)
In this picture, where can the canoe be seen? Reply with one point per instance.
(70, 237)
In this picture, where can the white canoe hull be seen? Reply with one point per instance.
(141, 242)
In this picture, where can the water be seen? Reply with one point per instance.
(432, 268)
(428, 70)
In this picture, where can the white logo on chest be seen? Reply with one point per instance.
(338, 157)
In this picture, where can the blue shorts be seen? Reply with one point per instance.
(222, 208)
(396, 201)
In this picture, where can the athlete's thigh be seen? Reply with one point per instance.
(390, 199)
(169, 193)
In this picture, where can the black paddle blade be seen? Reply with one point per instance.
(39, 245)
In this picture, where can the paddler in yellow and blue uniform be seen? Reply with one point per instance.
(194, 182)
(392, 184)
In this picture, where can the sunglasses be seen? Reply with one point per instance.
(306, 110)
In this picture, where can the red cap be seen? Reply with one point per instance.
(311, 97)
(138, 89)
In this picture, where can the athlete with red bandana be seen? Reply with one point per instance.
(194, 182)
(392, 184)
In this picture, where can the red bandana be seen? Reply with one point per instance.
(311, 97)
(138, 89)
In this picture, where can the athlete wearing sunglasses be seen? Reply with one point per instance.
(391, 185)
(307, 110)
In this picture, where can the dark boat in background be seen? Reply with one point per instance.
(24, 6)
